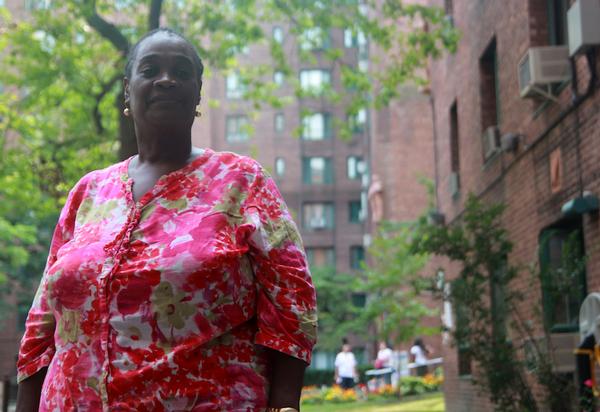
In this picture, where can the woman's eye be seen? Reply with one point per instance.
(183, 73)
(148, 71)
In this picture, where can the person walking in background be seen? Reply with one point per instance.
(419, 353)
(345, 367)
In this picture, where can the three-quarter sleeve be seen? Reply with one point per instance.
(286, 302)
(37, 344)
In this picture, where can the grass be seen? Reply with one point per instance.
(428, 403)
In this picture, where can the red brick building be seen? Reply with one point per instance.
(401, 155)
(534, 154)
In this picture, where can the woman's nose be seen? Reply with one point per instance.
(165, 80)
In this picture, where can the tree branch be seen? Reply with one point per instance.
(105, 89)
(107, 30)
(154, 15)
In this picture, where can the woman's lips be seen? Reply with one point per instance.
(163, 99)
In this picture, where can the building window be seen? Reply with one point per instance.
(355, 214)
(454, 152)
(314, 38)
(557, 22)
(357, 257)
(462, 329)
(358, 121)
(314, 80)
(489, 87)
(316, 126)
(280, 166)
(278, 78)
(449, 10)
(234, 87)
(32, 5)
(354, 39)
(355, 167)
(320, 256)
(278, 34)
(359, 300)
(562, 263)
(279, 122)
(318, 216)
(454, 143)
(236, 128)
(317, 170)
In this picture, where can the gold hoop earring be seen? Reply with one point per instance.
(126, 111)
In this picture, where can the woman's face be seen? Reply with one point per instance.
(163, 87)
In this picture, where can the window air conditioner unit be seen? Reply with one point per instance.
(491, 141)
(318, 223)
(582, 21)
(454, 184)
(541, 67)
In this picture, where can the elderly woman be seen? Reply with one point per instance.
(176, 280)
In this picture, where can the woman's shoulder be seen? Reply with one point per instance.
(235, 160)
(114, 171)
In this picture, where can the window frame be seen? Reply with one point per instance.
(278, 38)
(328, 215)
(276, 127)
(489, 67)
(307, 43)
(326, 126)
(558, 31)
(359, 215)
(564, 228)
(278, 161)
(328, 251)
(241, 135)
(239, 90)
(311, 88)
(359, 174)
(278, 77)
(308, 174)
(355, 262)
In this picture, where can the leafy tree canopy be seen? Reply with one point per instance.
(61, 71)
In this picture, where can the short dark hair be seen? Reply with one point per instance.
(132, 55)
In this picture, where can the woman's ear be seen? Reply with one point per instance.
(199, 93)
(126, 90)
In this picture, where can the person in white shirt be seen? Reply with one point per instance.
(345, 367)
(384, 360)
(419, 353)
(384, 356)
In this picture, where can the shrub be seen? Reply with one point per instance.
(414, 385)
(318, 377)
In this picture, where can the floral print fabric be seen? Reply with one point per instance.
(166, 304)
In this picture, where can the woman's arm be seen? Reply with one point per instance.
(30, 389)
(287, 375)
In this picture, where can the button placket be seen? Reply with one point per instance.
(116, 251)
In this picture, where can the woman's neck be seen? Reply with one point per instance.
(164, 146)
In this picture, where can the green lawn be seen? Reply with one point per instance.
(430, 403)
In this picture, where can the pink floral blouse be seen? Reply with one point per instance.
(166, 304)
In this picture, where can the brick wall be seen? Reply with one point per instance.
(521, 180)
